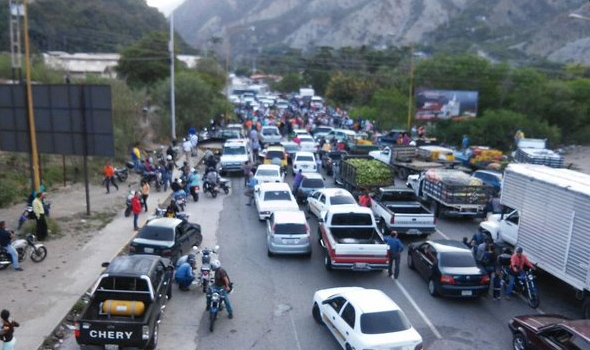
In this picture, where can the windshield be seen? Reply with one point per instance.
(275, 154)
(305, 159)
(229, 134)
(290, 229)
(457, 260)
(156, 233)
(291, 148)
(234, 150)
(384, 322)
(277, 196)
(312, 183)
(267, 172)
(340, 200)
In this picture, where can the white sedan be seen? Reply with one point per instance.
(362, 318)
(269, 197)
(307, 143)
(321, 200)
(269, 173)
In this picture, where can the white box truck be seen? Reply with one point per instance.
(550, 220)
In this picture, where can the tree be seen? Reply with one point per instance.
(290, 82)
(146, 62)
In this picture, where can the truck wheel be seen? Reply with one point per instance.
(154, 340)
(435, 209)
(586, 308)
(327, 261)
(403, 173)
(519, 341)
(383, 227)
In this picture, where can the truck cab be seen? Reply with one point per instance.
(502, 227)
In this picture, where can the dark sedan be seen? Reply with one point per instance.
(449, 267)
(166, 237)
(549, 332)
(329, 158)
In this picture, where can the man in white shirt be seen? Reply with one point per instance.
(187, 147)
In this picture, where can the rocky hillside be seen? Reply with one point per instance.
(502, 28)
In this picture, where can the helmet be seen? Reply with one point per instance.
(215, 265)
(169, 157)
(191, 259)
(519, 250)
(172, 201)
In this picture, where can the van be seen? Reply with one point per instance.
(235, 154)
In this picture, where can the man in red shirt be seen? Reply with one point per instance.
(109, 176)
(365, 200)
(517, 265)
(136, 209)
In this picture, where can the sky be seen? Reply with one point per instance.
(165, 6)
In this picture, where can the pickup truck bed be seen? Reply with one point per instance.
(350, 235)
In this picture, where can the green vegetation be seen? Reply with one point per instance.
(370, 172)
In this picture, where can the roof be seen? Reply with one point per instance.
(275, 148)
(292, 217)
(269, 167)
(304, 153)
(564, 178)
(370, 300)
(164, 222)
(346, 131)
(331, 192)
(275, 186)
(449, 246)
(236, 142)
(313, 176)
(140, 264)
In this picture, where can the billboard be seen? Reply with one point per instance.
(432, 105)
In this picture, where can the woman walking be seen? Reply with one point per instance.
(7, 332)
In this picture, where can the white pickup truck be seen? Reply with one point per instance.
(351, 240)
(399, 209)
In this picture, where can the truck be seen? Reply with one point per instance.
(358, 173)
(534, 151)
(399, 209)
(351, 240)
(306, 92)
(126, 304)
(360, 144)
(547, 214)
(451, 192)
(404, 160)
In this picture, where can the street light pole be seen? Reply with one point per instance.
(410, 94)
(172, 94)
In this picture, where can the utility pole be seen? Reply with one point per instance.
(411, 92)
(15, 13)
(172, 99)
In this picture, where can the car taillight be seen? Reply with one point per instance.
(77, 330)
(444, 279)
(131, 249)
(167, 253)
(485, 280)
(392, 220)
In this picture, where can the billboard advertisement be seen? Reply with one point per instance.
(432, 105)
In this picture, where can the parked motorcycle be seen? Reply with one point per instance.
(161, 213)
(121, 174)
(154, 178)
(28, 214)
(211, 188)
(24, 247)
(524, 285)
(205, 276)
(224, 184)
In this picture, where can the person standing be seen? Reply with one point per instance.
(8, 326)
(396, 247)
(187, 147)
(109, 176)
(365, 200)
(6, 243)
(39, 210)
(136, 157)
(247, 168)
(145, 193)
(297, 181)
(251, 187)
(136, 209)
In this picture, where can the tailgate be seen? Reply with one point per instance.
(110, 333)
(413, 220)
(361, 249)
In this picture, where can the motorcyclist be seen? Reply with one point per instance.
(517, 264)
(5, 242)
(212, 176)
(222, 285)
(180, 194)
(172, 209)
(185, 274)
(193, 180)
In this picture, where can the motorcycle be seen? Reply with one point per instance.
(224, 184)
(205, 276)
(181, 202)
(524, 285)
(24, 247)
(211, 188)
(215, 304)
(121, 174)
(161, 213)
(194, 191)
(29, 214)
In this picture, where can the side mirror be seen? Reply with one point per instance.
(105, 264)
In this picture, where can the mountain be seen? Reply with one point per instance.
(499, 28)
(85, 26)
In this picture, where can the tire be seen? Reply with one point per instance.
(411, 262)
(226, 190)
(315, 312)
(534, 300)
(586, 308)
(432, 288)
(127, 212)
(214, 194)
(169, 293)
(195, 197)
(269, 253)
(39, 254)
(403, 173)
(122, 177)
(154, 340)
(383, 227)
(205, 287)
(327, 261)
(519, 341)
(212, 317)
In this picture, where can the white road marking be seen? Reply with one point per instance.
(442, 234)
(420, 312)
(295, 332)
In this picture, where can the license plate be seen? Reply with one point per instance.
(289, 241)
(466, 293)
(148, 250)
(111, 347)
(305, 166)
(413, 232)
(360, 265)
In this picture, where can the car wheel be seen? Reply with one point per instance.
(432, 288)
(154, 341)
(269, 253)
(348, 347)
(411, 261)
(327, 261)
(519, 341)
(315, 311)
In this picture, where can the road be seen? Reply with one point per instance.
(272, 298)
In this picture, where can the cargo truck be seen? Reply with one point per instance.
(404, 160)
(350, 173)
(549, 217)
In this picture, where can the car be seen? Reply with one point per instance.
(270, 135)
(362, 318)
(166, 237)
(549, 332)
(449, 267)
(321, 200)
(276, 155)
(269, 173)
(237, 127)
(311, 182)
(282, 104)
(341, 135)
(489, 177)
(235, 153)
(269, 197)
(299, 132)
(330, 158)
(290, 148)
(320, 131)
(287, 232)
(304, 161)
(307, 143)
